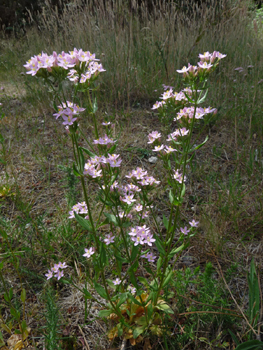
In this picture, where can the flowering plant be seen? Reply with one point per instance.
(134, 243)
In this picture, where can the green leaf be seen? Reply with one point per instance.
(165, 222)
(23, 295)
(82, 161)
(175, 251)
(10, 294)
(133, 278)
(3, 233)
(112, 149)
(171, 197)
(100, 290)
(134, 252)
(250, 345)
(137, 331)
(154, 285)
(83, 222)
(95, 106)
(168, 278)
(55, 107)
(233, 337)
(143, 280)
(149, 310)
(164, 307)
(112, 218)
(75, 170)
(159, 245)
(120, 329)
(159, 263)
(254, 294)
(23, 325)
(87, 293)
(135, 301)
(103, 256)
(15, 313)
(87, 151)
(183, 192)
(202, 98)
(199, 146)
(105, 313)
(122, 299)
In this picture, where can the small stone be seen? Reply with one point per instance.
(153, 160)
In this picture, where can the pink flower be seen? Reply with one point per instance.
(68, 120)
(158, 148)
(204, 65)
(149, 256)
(109, 239)
(117, 282)
(59, 274)
(193, 223)
(49, 274)
(89, 252)
(128, 199)
(153, 136)
(183, 70)
(184, 230)
(113, 160)
(131, 289)
(149, 239)
(178, 177)
(158, 104)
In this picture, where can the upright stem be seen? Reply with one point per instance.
(171, 236)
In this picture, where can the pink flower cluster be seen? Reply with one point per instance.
(155, 137)
(178, 176)
(207, 61)
(56, 271)
(79, 208)
(173, 96)
(149, 256)
(141, 177)
(188, 112)
(84, 62)
(178, 132)
(185, 230)
(92, 167)
(141, 235)
(68, 111)
(103, 141)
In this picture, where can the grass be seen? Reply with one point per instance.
(140, 50)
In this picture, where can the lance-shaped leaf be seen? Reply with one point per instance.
(100, 290)
(250, 345)
(175, 251)
(92, 155)
(199, 146)
(168, 278)
(83, 222)
(76, 171)
(159, 245)
(112, 218)
(200, 100)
